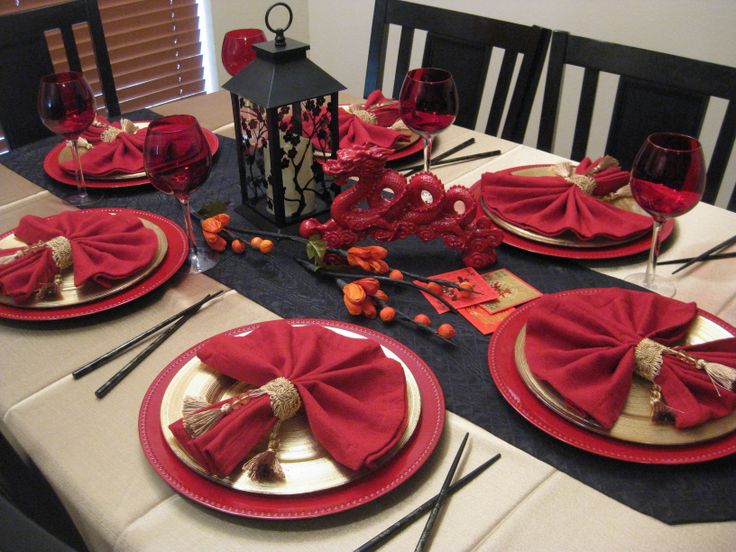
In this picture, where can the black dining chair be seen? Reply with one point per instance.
(656, 92)
(25, 58)
(462, 44)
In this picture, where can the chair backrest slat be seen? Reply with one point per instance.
(462, 43)
(23, 40)
(656, 92)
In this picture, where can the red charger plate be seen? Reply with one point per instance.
(356, 493)
(52, 168)
(176, 254)
(503, 370)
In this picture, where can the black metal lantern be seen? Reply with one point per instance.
(286, 123)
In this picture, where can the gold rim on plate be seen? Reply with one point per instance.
(72, 295)
(621, 199)
(634, 424)
(307, 466)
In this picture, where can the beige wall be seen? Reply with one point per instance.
(338, 31)
(227, 15)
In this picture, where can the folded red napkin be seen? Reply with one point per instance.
(115, 150)
(588, 347)
(354, 396)
(102, 247)
(553, 205)
(367, 124)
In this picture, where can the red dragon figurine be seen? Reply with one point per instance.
(382, 205)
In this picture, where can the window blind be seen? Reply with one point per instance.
(154, 46)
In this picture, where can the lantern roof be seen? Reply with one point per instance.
(280, 75)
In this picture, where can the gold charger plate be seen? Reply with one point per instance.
(634, 424)
(307, 466)
(73, 295)
(622, 200)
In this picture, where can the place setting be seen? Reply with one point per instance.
(210, 426)
(595, 209)
(97, 153)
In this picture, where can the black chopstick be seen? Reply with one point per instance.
(110, 384)
(120, 349)
(713, 257)
(415, 514)
(445, 155)
(702, 256)
(461, 159)
(440, 498)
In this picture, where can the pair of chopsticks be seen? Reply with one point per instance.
(441, 157)
(452, 160)
(178, 320)
(710, 255)
(434, 504)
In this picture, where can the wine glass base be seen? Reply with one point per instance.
(202, 259)
(83, 199)
(658, 284)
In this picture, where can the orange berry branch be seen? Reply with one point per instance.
(362, 295)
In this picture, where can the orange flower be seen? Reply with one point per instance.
(369, 258)
(357, 297)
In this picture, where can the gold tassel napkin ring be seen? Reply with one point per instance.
(648, 358)
(285, 403)
(567, 171)
(61, 253)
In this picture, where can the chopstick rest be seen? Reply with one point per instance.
(110, 384)
(415, 514)
(120, 349)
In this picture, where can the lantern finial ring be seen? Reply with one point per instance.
(280, 39)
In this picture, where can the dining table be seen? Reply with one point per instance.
(544, 493)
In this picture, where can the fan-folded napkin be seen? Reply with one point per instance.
(354, 397)
(555, 204)
(588, 346)
(102, 247)
(114, 150)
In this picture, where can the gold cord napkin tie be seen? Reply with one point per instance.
(648, 358)
(199, 417)
(61, 253)
(586, 182)
(111, 132)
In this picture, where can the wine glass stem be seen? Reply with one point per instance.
(188, 228)
(653, 253)
(78, 173)
(427, 150)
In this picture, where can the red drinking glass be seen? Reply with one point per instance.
(667, 180)
(66, 106)
(428, 104)
(177, 160)
(237, 48)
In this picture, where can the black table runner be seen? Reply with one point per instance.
(673, 494)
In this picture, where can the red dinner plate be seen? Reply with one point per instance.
(351, 495)
(505, 374)
(52, 168)
(176, 254)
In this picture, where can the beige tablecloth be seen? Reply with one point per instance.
(89, 451)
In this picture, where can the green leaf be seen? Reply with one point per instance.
(212, 208)
(316, 249)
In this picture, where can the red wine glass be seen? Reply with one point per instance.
(177, 160)
(237, 48)
(66, 106)
(428, 104)
(667, 180)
